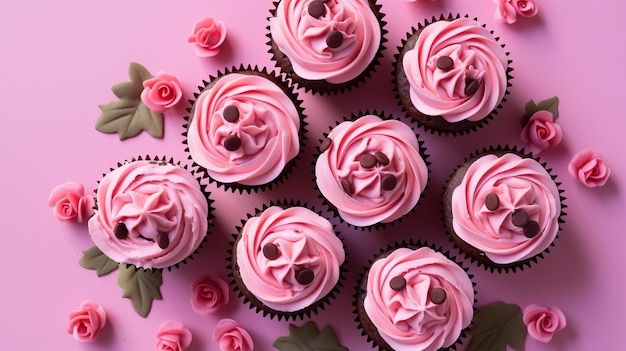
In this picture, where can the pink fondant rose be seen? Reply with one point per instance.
(541, 132)
(70, 203)
(232, 337)
(589, 168)
(86, 322)
(161, 92)
(208, 294)
(542, 322)
(505, 11)
(208, 34)
(525, 8)
(172, 336)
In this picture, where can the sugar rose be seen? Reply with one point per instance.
(208, 294)
(505, 11)
(232, 337)
(86, 323)
(172, 336)
(208, 35)
(542, 322)
(69, 202)
(541, 132)
(525, 8)
(161, 92)
(588, 167)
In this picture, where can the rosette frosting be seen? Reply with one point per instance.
(410, 316)
(507, 206)
(244, 129)
(456, 70)
(335, 44)
(150, 213)
(380, 191)
(289, 258)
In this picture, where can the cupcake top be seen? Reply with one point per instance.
(371, 170)
(418, 299)
(244, 129)
(330, 40)
(289, 258)
(456, 70)
(151, 214)
(507, 206)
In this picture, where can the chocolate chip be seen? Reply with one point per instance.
(437, 295)
(445, 63)
(382, 159)
(471, 86)
(232, 143)
(316, 9)
(120, 231)
(163, 240)
(397, 283)
(347, 186)
(334, 39)
(492, 202)
(367, 161)
(270, 251)
(531, 229)
(326, 144)
(231, 113)
(305, 276)
(389, 182)
(519, 218)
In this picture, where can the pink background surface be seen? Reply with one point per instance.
(58, 60)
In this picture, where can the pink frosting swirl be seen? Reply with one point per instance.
(408, 319)
(150, 214)
(369, 202)
(521, 184)
(302, 38)
(476, 57)
(86, 323)
(304, 240)
(267, 127)
(70, 203)
(589, 168)
(208, 294)
(542, 322)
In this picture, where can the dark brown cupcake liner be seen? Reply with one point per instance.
(321, 87)
(365, 325)
(289, 89)
(248, 297)
(472, 253)
(422, 151)
(436, 124)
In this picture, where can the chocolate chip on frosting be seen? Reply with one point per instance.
(347, 186)
(163, 240)
(232, 143)
(389, 182)
(471, 86)
(531, 229)
(437, 295)
(519, 218)
(305, 276)
(397, 283)
(120, 231)
(270, 251)
(367, 161)
(492, 202)
(334, 39)
(231, 113)
(382, 159)
(445, 63)
(316, 9)
(326, 144)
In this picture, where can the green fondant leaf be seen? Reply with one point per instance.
(308, 338)
(496, 326)
(129, 116)
(140, 286)
(551, 105)
(94, 259)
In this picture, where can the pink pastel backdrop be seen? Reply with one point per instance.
(58, 60)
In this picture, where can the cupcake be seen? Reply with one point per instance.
(503, 208)
(413, 297)
(151, 214)
(245, 129)
(371, 170)
(326, 45)
(287, 261)
(451, 75)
